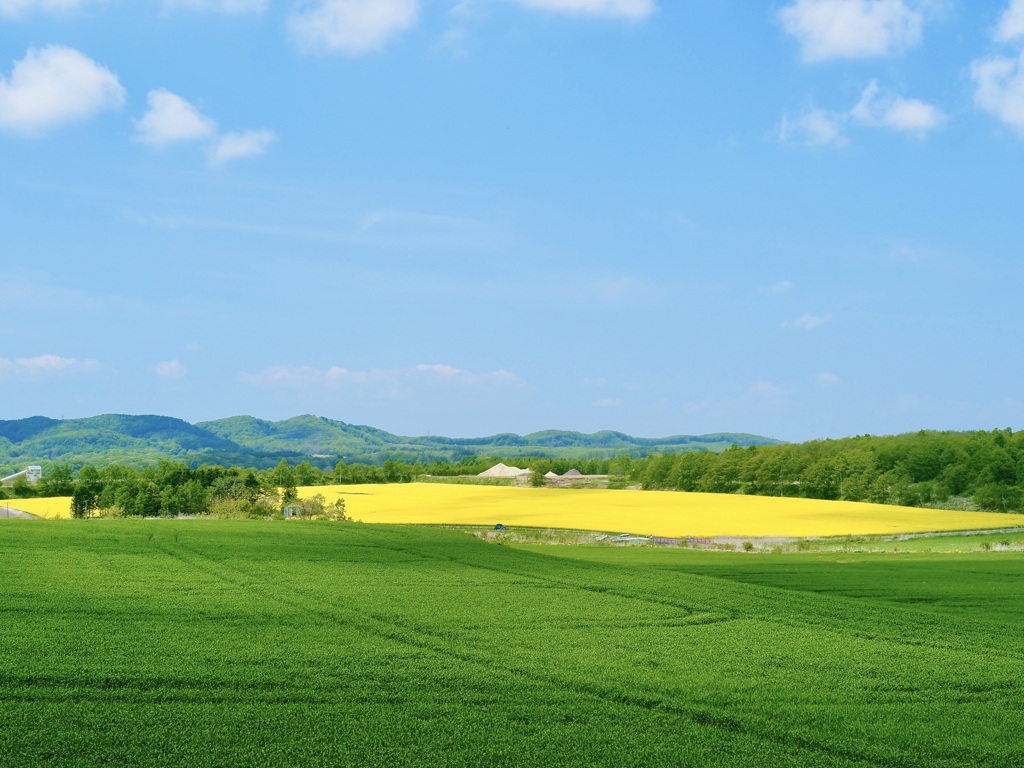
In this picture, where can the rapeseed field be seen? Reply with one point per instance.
(52, 508)
(657, 513)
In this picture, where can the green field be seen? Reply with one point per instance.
(219, 643)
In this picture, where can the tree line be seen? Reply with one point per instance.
(982, 470)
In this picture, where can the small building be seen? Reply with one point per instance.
(33, 474)
(501, 470)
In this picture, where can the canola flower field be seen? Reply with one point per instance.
(257, 643)
(50, 508)
(658, 513)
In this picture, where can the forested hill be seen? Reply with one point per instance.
(247, 441)
(313, 435)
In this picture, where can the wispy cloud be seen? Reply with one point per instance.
(1011, 23)
(826, 379)
(765, 389)
(352, 27)
(876, 108)
(633, 10)
(607, 402)
(451, 373)
(814, 128)
(14, 8)
(852, 29)
(808, 322)
(45, 365)
(55, 85)
(782, 286)
(309, 376)
(218, 6)
(171, 369)
(234, 146)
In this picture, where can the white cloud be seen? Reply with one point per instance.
(283, 376)
(232, 146)
(440, 370)
(808, 322)
(451, 373)
(607, 402)
(56, 85)
(814, 128)
(1011, 23)
(306, 376)
(337, 374)
(887, 110)
(18, 7)
(782, 286)
(218, 6)
(634, 10)
(875, 109)
(851, 29)
(170, 119)
(999, 89)
(44, 365)
(172, 369)
(826, 379)
(349, 26)
(765, 388)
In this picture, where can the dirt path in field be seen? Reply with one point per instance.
(9, 512)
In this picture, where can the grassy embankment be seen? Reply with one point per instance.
(201, 643)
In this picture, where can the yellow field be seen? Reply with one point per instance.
(656, 513)
(52, 508)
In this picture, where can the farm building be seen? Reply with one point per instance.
(501, 470)
(33, 474)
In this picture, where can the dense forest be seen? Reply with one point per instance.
(967, 470)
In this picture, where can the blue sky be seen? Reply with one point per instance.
(798, 218)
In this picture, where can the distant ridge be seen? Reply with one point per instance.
(248, 441)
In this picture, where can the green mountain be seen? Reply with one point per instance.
(249, 441)
(107, 439)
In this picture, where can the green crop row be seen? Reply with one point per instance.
(249, 643)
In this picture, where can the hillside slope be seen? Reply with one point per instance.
(249, 441)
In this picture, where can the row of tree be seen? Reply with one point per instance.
(983, 470)
(171, 489)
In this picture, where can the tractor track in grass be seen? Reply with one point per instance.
(416, 636)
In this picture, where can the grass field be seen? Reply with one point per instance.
(214, 643)
(645, 512)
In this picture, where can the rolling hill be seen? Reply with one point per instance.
(248, 441)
